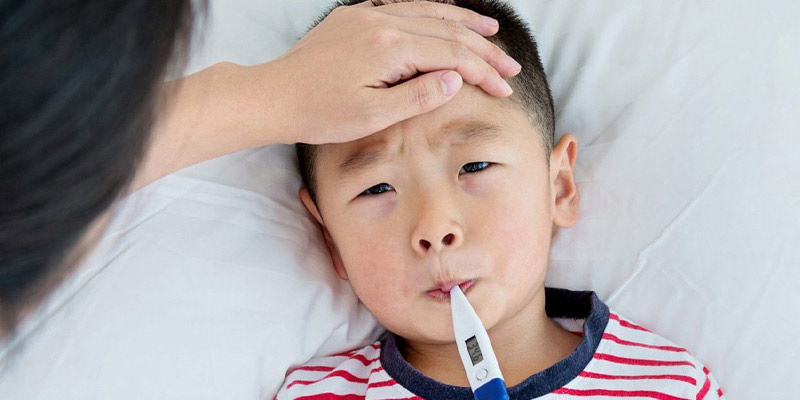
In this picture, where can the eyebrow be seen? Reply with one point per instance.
(459, 132)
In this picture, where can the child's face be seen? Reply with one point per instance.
(435, 223)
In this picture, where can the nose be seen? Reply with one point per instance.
(437, 228)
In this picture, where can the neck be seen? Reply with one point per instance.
(526, 343)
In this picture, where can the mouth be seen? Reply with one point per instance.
(442, 292)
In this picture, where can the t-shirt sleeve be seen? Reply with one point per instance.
(340, 376)
(306, 380)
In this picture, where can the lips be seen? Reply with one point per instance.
(442, 292)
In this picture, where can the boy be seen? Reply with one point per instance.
(470, 194)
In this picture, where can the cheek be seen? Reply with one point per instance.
(519, 227)
(376, 268)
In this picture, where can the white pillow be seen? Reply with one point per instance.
(210, 282)
(686, 114)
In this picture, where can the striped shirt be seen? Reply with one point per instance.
(615, 358)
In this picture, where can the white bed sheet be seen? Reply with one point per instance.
(212, 281)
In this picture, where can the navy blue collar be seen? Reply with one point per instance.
(559, 303)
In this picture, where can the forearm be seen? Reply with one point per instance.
(219, 110)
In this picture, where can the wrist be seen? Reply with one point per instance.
(274, 104)
(220, 110)
(244, 107)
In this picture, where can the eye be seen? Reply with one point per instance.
(377, 189)
(474, 167)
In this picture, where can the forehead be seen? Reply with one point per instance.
(472, 118)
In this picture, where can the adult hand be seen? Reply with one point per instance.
(337, 84)
(338, 80)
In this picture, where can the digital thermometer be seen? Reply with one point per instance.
(476, 352)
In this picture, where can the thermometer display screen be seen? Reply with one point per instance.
(474, 350)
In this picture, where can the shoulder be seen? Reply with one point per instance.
(347, 375)
(631, 358)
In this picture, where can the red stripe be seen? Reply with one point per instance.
(323, 368)
(640, 361)
(618, 393)
(706, 385)
(390, 382)
(683, 378)
(331, 396)
(338, 373)
(376, 369)
(405, 398)
(704, 390)
(719, 393)
(364, 360)
(649, 346)
(360, 357)
(347, 353)
(627, 324)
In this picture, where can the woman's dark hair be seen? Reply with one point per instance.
(78, 84)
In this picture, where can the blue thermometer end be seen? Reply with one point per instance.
(475, 349)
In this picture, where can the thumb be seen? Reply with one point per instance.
(423, 93)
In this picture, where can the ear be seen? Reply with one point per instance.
(563, 190)
(336, 258)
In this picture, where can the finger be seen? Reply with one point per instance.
(455, 32)
(366, 4)
(481, 24)
(427, 54)
(416, 96)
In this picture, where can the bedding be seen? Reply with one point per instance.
(213, 281)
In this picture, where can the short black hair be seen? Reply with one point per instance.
(531, 90)
(78, 85)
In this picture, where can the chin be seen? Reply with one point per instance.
(433, 332)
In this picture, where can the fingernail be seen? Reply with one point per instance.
(490, 21)
(451, 81)
(507, 88)
(514, 63)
